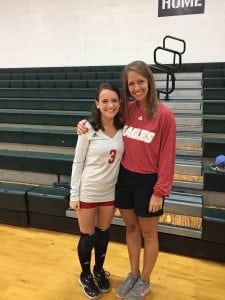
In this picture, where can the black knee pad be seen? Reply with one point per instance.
(102, 237)
(86, 242)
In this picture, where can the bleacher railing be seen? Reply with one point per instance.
(169, 68)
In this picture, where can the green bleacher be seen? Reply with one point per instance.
(213, 145)
(39, 109)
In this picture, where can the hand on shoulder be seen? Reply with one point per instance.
(82, 127)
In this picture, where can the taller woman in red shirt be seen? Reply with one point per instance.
(146, 174)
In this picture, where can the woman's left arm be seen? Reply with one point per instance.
(167, 155)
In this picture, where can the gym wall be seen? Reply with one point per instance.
(38, 33)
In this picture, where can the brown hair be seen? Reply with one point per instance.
(143, 69)
(96, 114)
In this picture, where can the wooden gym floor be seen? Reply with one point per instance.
(42, 265)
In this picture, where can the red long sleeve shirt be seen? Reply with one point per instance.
(150, 145)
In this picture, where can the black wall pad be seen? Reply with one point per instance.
(13, 196)
(213, 225)
(167, 242)
(191, 247)
(214, 251)
(56, 223)
(179, 244)
(70, 225)
(16, 218)
(213, 230)
(213, 181)
(48, 200)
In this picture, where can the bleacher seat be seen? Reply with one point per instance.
(13, 204)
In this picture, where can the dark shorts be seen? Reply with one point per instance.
(134, 190)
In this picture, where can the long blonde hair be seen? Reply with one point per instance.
(143, 69)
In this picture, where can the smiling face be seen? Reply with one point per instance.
(137, 86)
(108, 103)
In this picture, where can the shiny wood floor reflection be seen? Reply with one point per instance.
(42, 265)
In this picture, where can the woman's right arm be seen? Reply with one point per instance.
(77, 169)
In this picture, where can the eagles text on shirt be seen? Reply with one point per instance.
(138, 134)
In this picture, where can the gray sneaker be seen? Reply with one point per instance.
(139, 290)
(126, 285)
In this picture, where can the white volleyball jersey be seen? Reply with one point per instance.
(96, 166)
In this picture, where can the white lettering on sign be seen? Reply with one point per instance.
(168, 4)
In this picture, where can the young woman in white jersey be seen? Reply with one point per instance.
(94, 175)
(146, 173)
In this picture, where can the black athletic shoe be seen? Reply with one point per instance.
(102, 278)
(89, 287)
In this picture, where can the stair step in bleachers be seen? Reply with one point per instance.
(61, 164)
(183, 140)
(46, 104)
(214, 82)
(63, 138)
(82, 83)
(69, 118)
(214, 93)
(213, 199)
(73, 93)
(187, 107)
(59, 118)
(68, 137)
(214, 107)
(188, 185)
(216, 73)
(214, 123)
